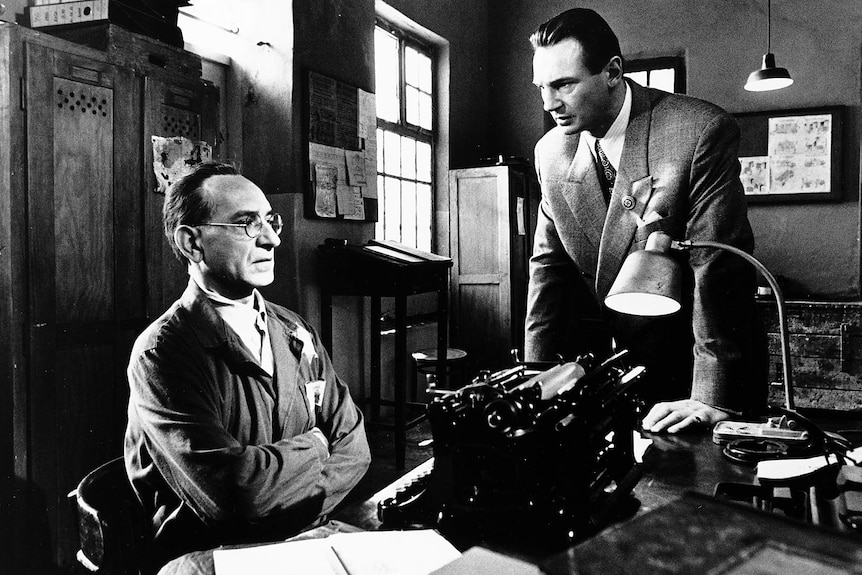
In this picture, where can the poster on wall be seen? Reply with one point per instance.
(341, 151)
(791, 156)
(174, 157)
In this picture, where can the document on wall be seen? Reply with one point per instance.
(416, 552)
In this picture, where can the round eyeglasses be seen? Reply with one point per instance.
(254, 224)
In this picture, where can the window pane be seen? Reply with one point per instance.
(424, 65)
(392, 205)
(425, 111)
(408, 158)
(423, 217)
(412, 105)
(379, 150)
(391, 153)
(639, 77)
(662, 79)
(411, 66)
(381, 204)
(386, 74)
(423, 162)
(408, 213)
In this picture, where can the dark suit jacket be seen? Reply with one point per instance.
(679, 171)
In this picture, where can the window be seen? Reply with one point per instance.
(405, 137)
(666, 74)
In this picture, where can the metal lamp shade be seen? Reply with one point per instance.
(648, 284)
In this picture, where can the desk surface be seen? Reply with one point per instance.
(672, 465)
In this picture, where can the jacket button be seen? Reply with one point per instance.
(628, 202)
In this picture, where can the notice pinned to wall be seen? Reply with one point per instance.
(792, 155)
(174, 157)
(342, 151)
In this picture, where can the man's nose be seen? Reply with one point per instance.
(268, 237)
(550, 99)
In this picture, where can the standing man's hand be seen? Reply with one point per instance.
(674, 416)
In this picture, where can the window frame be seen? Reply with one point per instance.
(405, 129)
(677, 63)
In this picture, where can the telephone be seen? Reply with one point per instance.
(535, 459)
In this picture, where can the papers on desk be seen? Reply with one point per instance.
(364, 553)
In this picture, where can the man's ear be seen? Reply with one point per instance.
(615, 71)
(188, 240)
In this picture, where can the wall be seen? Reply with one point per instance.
(815, 246)
(335, 37)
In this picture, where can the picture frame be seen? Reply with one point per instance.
(791, 155)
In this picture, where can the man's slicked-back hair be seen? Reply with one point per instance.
(596, 37)
(185, 204)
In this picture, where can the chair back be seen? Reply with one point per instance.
(112, 528)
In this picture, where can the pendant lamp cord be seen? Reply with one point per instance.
(768, 26)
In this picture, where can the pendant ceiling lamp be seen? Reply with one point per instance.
(768, 77)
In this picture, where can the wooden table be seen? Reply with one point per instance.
(365, 271)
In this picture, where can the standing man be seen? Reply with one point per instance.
(624, 161)
(239, 429)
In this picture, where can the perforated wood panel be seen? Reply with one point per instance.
(83, 201)
(177, 122)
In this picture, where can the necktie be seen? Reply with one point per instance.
(607, 173)
(265, 356)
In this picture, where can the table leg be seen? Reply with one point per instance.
(400, 380)
(375, 359)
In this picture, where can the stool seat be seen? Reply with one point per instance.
(430, 354)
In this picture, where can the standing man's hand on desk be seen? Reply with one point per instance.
(674, 416)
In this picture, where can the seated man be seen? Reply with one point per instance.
(239, 429)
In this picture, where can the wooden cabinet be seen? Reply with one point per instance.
(492, 213)
(825, 353)
(84, 265)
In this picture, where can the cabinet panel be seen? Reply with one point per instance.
(83, 203)
(492, 218)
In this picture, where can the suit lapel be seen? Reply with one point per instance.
(582, 192)
(631, 193)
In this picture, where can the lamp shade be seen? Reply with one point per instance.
(769, 77)
(649, 281)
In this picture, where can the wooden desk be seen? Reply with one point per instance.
(672, 465)
(356, 270)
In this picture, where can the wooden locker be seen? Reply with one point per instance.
(492, 213)
(84, 264)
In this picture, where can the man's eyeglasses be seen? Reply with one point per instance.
(254, 225)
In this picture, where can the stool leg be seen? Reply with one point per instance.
(400, 380)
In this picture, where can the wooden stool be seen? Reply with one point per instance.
(425, 363)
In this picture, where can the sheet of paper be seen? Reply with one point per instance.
(307, 557)
(800, 152)
(393, 552)
(355, 167)
(362, 553)
(173, 158)
(325, 186)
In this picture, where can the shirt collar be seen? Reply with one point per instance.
(613, 141)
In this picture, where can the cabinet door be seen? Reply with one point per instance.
(77, 345)
(172, 109)
(481, 276)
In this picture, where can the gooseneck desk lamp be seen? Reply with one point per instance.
(649, 284)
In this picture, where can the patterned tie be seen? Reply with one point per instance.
(607, 174)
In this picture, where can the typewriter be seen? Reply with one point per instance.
(536, 458)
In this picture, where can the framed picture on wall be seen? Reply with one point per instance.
(791, 155)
